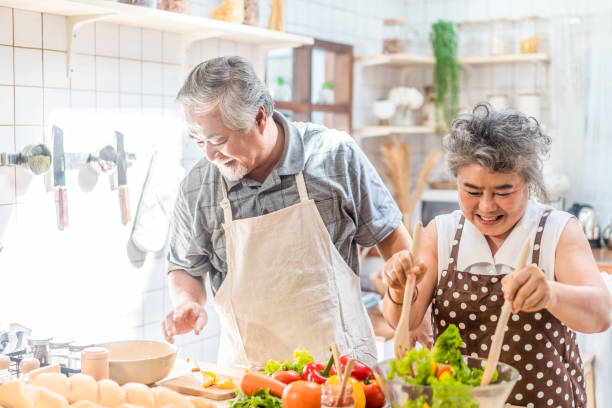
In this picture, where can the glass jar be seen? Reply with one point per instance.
(59, 352)
(330, 395)
(39, 349)
(177, 6)
(500, 44)
(529, 41)
(251, 12)
(74, 354)
(529, 104)
(145, 3)
(499, 102)
(394, 38)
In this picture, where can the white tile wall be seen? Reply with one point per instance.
(6, 26)
(27, 30)
(28, 67)
(6, 65)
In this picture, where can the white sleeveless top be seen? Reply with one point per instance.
(475, 254)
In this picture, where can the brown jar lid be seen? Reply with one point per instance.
(94, 353)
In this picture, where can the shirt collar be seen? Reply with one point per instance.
(474, 248)
(291, 162)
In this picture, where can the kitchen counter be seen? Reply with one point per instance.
(603, 257)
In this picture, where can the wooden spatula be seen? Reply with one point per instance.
(498, 338)
(401, 339)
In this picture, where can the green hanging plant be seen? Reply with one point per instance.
(446, 73)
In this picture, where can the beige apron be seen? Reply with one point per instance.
(287, 286)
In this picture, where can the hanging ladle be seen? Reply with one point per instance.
(35, 158)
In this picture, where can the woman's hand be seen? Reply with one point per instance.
(528, 289)
(398, 268)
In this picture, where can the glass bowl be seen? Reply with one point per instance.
(490, 396)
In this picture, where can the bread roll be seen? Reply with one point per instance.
(82, 387)
(48, 399)
(165, 396)
(85, 404)
(130, 406)
(139, 394)
(55, 382)
(199, 402)
(15, 394)
(110, 394)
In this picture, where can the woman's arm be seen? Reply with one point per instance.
(579, 297)
(399, 266)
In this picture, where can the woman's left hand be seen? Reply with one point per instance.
(528, 288)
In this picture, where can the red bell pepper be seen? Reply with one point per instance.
(360, 371)
(317, 372)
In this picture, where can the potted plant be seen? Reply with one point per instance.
(446, 73)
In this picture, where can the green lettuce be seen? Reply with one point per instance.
(301, 357)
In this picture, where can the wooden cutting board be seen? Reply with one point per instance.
(186, 384)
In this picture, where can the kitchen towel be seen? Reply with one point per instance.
(152, 219)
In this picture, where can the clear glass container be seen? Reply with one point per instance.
(500, 41)
(479, 33)
(74, 354)
(394, 36)
(528, 36)
(251, 12)
(144, 3)
(177, 6)
(330, 396)
(38, 348)
(59, 352)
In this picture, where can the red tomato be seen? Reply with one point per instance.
(374, 395)
(286, 377)
(302, 394)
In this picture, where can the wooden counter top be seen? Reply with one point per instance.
(603, 257)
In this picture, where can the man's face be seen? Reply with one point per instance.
(492, 202)
(234, 153)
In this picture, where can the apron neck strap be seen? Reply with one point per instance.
(452, 262)
(225, 204)
(537, 243)
(301, 185)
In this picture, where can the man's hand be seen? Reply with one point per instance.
(528, 289)
(183, 319)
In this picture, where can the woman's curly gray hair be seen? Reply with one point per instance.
(500, 141)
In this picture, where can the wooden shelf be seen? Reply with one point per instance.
(305, 107)
(407, 60)
(504, 59)
(378, 131)
(396, 60)
(147, 17)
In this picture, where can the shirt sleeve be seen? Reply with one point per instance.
(185, 253)
(377, 214)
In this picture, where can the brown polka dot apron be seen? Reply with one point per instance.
(538, 345)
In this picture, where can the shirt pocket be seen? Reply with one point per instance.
(329, 211)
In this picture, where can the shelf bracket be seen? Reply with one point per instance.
(73, 24)
(189, 38)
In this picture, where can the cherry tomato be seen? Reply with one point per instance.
(302, 394)
(287, 376)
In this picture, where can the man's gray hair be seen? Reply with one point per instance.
(231, 84)
(500, 141)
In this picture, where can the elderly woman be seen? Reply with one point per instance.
(467, 265)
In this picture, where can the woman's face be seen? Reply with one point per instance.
(493, 202)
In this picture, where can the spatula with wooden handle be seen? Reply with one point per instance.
(498, 338)
(401, 339)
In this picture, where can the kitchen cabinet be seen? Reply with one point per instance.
(318, 81)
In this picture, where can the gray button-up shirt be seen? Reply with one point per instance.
(353, 202)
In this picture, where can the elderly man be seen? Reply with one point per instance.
(273, 214)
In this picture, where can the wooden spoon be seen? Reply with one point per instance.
(345, 377)
(498, 338)
(401, 339)
(337, 364)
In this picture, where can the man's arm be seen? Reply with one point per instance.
(189, 298)
(396, 241)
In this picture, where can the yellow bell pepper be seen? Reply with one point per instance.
(208, 379)
(358, 392)
(226, 384)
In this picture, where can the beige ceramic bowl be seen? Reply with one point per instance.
(140, 361)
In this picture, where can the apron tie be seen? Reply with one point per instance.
(225, 204)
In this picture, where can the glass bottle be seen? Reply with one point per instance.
(59, 352)
(330, 395)
(394, 40)
(499, 37)
(528, 36)
(39, 349)
(74, 356)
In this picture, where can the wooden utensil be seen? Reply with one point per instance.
(345, 377)
(401, 339)
(337, 364)
(498, 338)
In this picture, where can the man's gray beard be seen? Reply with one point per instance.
(233, 173)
